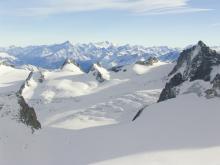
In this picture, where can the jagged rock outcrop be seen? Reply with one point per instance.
(100, 73)
(139, 113)
(170, 91)
(69, 61)
(195, 63)
(27, 114)
(116, 68)
(215, 90)
(149, 61)
(216, 82)
(41, 78)
(71, 66)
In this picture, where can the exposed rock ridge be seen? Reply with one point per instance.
(69, 61)
(148, 62)
(195, 63)
(215, 90)
(27, 114)
(100, 73)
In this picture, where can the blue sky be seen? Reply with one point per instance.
(145, 22)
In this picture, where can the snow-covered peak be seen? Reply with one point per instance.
(106, 53)
(201, 44)
(100, 73)
(196, 62)
(195, 67)
(7, 59)
(72, 66)
(66, 44)
(149, 61)
(104, 44)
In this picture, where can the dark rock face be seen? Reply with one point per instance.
(98, 76)
(27, 114)
(150, 61)
(41, 78)
(96, 73)
(139, 113)
(198, 62)
(176, 80)
(195, 63)
(169, 91)
(216, 82)
(116, 68)
(215, 90)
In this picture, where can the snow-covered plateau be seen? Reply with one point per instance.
(149, 111)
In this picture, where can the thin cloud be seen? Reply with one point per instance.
(49, 7)
(215, 25)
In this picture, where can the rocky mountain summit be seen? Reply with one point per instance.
(71, 65)
(69, 61)
(100, 73)
(148, 62)
(27, 114)
(196, 63)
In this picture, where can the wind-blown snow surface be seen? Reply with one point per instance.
(75, 100)
(181, 131)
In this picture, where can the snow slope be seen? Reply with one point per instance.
(76, 101)
(11, 79)
(88, 122)
(179, 131)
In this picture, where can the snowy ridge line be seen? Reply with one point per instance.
(110, 55)
(140, 112)
(27, 114)
(25, 83)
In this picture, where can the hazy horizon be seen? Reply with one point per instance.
(96, 42)
(174, 23)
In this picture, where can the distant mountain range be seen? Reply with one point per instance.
(105, 53)
(150, 109)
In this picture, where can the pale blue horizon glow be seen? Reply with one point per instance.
(175, 23)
